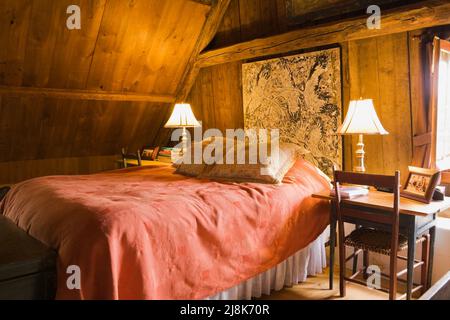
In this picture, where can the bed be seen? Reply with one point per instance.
(149, 233)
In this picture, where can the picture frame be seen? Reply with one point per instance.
(421, 184)
(310, 125)
(149, 153)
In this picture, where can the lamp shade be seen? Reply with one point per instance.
(361, 119)
(182, 116)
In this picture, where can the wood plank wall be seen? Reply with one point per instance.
(376, 68)
(129, 46)
(16, 171)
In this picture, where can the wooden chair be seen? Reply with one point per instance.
(131, 156)
(373, 239)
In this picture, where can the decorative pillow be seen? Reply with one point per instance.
(187, 165)
(272, 169)
(246, 164)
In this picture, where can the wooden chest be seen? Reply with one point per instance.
(27, 266)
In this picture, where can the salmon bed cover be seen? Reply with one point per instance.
(148, 233)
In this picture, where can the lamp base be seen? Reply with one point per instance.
(183, 142)
(360, 156)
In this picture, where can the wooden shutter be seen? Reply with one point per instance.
(421, 57)
(440, 106)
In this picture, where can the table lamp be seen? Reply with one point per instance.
(182, 117)
(361, 119)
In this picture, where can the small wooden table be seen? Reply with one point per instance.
(415, 219)
(134, 163)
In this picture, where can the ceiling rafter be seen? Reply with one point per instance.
(209, 30)
(403, 18)
(72, 94)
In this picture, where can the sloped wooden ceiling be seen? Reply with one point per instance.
(124, 46)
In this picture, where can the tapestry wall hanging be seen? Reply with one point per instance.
(301, 96)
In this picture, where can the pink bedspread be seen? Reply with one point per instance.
(147, 233)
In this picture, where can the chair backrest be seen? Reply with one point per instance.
(131, 156)
(373, 180)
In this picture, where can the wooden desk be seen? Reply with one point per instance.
(416, 219)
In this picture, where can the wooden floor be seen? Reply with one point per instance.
(316, 288)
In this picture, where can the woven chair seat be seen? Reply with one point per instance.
(374, 240)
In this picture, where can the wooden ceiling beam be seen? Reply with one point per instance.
(72, 94)
(205, 2)
(209, 30)
(404, 18)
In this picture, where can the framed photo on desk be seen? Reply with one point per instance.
(421, 184)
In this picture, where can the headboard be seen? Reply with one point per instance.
(301, 96)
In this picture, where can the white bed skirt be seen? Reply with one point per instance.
(307, 262)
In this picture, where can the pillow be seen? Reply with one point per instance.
(268, 170)
(187, 165)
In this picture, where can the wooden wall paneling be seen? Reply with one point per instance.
(229, 31)
(184, 26)
(363, 62)
(14, 25)
(406, 18)
(137, 52)
(346, 97)
(152, 119)
(283, 24)
(205, 93)
(87, 93)
(216, 97)
(379, 70)
(202, 99)
(158, 136)
(114, 48)
(227, 90)
(44, 28)
(191, 70)
(42, 51)
(258, 18)
(395, 102)
(41, 128)
(209, 29)
(12, 172)
(250, 19)
(269, 17)
(73, 49)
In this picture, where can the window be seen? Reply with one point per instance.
(441, 104)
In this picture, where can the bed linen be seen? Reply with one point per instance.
(309, 261)
(148, 233)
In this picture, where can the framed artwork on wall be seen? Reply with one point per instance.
(301, 96)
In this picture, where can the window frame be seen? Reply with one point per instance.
(438, 46)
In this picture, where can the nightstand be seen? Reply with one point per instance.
(134, 163)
